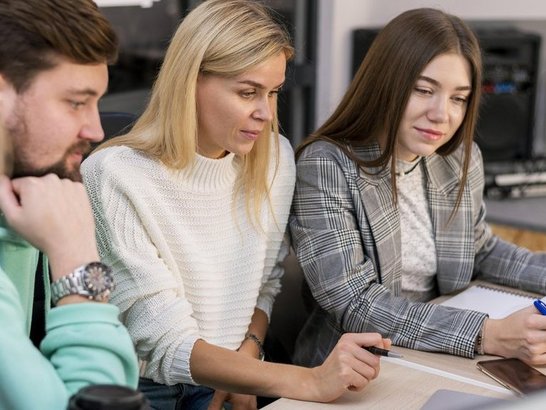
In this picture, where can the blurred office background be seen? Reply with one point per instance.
(328, 44)
(145, 31)
(324, 36)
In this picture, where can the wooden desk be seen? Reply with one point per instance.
(532, 240)
(521, 221)
(401, 386)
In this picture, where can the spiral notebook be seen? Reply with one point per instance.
(496, 302)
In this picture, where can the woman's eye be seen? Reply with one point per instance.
(424, 91)
(248, 94)
(460, 100)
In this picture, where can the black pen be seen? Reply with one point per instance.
(382, 352)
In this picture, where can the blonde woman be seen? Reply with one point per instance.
(191, 209)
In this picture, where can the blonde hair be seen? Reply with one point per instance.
(223, 38)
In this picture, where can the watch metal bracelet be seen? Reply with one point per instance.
(93, 281)
(68, 285)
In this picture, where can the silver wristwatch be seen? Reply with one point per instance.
(93, 281)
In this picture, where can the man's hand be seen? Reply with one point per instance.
(54, 215)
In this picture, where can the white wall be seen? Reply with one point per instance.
(338, 18)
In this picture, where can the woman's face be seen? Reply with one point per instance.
(436, 107)
(233, 112)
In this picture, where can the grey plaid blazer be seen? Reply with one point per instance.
(346, 233)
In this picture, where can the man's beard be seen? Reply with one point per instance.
(23, 168)
(60, 168)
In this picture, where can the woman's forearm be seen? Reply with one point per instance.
(348, 367)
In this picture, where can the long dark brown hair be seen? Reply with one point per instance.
(376, 99)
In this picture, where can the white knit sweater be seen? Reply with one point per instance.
(188, 263)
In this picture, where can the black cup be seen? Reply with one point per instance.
(108, 397)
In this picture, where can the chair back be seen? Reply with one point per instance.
(289, 314)
(116, 123)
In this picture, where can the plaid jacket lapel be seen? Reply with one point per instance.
(454, 238)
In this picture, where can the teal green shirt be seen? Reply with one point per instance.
(17, 256)
(84, 344)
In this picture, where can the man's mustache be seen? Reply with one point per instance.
(81, 147)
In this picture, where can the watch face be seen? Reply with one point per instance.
(98, 279)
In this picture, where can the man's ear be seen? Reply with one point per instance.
(6, 151)
(5, 84)
(8, 95)
(3, 81)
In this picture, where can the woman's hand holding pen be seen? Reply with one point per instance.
(348, 367)
(521, 334)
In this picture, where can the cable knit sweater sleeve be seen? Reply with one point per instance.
(146, 289)
(184, 269)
